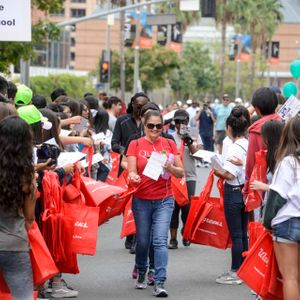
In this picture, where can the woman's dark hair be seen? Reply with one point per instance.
(74, 106)
(113, 100)
(152, 113)
(290, 140)
(149, 106)
(37, 133)
(39, 101)
(92, 102)
(84, 104)
(16, 161)
(239, 121)
(271, 132)
(54, 131)
(7, 109)
(240, 109)
(101, 121)
(58, 92)
(11, 91)
(265, 99)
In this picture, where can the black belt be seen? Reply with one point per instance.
(235, 187)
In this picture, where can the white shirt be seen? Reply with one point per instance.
(237, 149)
(227, 142)
(192, 112)
(286, 182)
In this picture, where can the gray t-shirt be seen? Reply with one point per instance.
(13, 234)
(112, 122)
(188, 160)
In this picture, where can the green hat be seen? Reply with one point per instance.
(30, 114)
(23, 96)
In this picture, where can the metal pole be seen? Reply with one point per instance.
(122, 56)
(169, 33)
(108, 12)
(269, 62)
(107, 54)
(24, 66)
(238, 69)
(136, 52)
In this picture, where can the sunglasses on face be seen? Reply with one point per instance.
(226, 99)
(158, 126)
(185, 122)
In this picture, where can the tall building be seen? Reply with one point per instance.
(81, 45)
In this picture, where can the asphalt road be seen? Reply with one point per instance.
(191, 272)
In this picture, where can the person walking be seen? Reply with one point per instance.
(153, 202)
(222, 111)
(206, 127)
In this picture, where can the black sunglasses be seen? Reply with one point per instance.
(181, 122)
(152, 126)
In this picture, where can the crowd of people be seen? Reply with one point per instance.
(140, 134)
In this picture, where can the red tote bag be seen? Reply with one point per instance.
(255, 230)
(72, 192)
(256, 264)
(43, 266)
(197, 203)
(254, 198)
(85, 227)
(96, 192)
(179, 189)
(113, 174)
(128, 225)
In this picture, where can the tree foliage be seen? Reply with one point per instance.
(12, 52)
(75, 86)
(155, 66)
(197, 74)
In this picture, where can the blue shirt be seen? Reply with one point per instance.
(222, 113)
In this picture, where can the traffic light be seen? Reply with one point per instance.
(104, 71)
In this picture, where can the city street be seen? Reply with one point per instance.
(191, 273)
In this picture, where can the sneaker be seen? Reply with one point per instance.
(141, 282)
(42, 295)
(186, 243)
(150, 277)
(60, 290)
(160, 291)
(134, 273)
(229, 278)
(48, 286)
(173, 244)
(132, 249)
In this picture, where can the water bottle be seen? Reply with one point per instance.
(166, 174)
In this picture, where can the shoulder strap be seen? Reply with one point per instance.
(241, 147)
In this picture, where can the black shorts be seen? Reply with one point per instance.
(220, 136)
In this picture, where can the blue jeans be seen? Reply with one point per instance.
(152, 217)
(17, 272)
(237, 221)
(287, 231)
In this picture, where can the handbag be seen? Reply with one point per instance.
(255, 266)
(179, 189)
(71, 191)
(197, 206)
(43, 266)
(128, 224)
(254, 198)
(85, 227)
(274, 203)
(113, 174)
(255, 229)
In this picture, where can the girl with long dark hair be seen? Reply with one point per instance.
(17, 204)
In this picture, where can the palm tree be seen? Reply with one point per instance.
(260, 19)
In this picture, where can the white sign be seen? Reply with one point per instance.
(15, 20)
(155, 165)
(69, 158)
(96, 158)
(289, 109)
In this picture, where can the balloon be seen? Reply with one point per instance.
(290, 88)
(295, 68)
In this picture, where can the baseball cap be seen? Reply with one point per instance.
(181, 114)
(225, 96)
(31, 115)
(189, 102)
(23, 95)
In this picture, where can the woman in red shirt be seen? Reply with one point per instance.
(153, 202)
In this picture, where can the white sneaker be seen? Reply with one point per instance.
(229, 278)
(60, 290)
